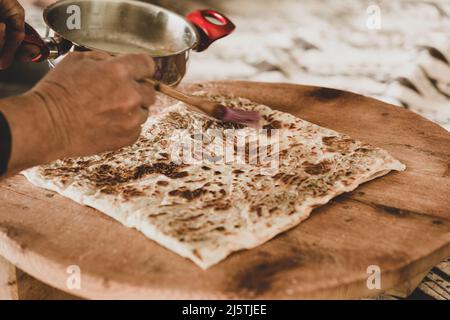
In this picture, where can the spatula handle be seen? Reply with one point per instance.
(201, 103)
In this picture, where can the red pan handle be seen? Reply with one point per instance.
(210, 31)
(33, 38)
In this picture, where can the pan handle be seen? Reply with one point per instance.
(211, 26)
(33, 38)
(48, 48)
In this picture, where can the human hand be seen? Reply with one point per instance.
(96, 102)
(90, 103)
(12, 30)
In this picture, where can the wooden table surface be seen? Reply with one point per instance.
(399, 223)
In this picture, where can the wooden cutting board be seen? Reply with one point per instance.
(400, 223)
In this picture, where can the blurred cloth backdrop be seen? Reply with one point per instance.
(329, 43)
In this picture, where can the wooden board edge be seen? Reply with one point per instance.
(8, 280)
(98, 289)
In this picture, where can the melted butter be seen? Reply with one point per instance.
(125, 44)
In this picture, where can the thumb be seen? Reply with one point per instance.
(13, 41)
(2, 35)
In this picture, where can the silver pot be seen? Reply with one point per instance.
(126, 26)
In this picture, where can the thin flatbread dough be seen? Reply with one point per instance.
(224, 196)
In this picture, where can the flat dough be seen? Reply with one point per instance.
(212, 206)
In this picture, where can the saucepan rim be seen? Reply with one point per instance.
(131, 2)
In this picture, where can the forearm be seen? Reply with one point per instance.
(33, 142)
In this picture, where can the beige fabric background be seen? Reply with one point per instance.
(329, 43)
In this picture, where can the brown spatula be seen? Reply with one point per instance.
(218, 111)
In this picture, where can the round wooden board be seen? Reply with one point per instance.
(400, 223)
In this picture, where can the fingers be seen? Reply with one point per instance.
(142, 115)
(139, 66)
(138, 99)
(141, 97)
(97, 55)
(13, 41)
(2, 35)
(13, 15)
(147, 93)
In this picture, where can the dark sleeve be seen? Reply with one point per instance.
(5, 144)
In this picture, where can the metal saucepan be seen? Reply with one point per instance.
(126, 26)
